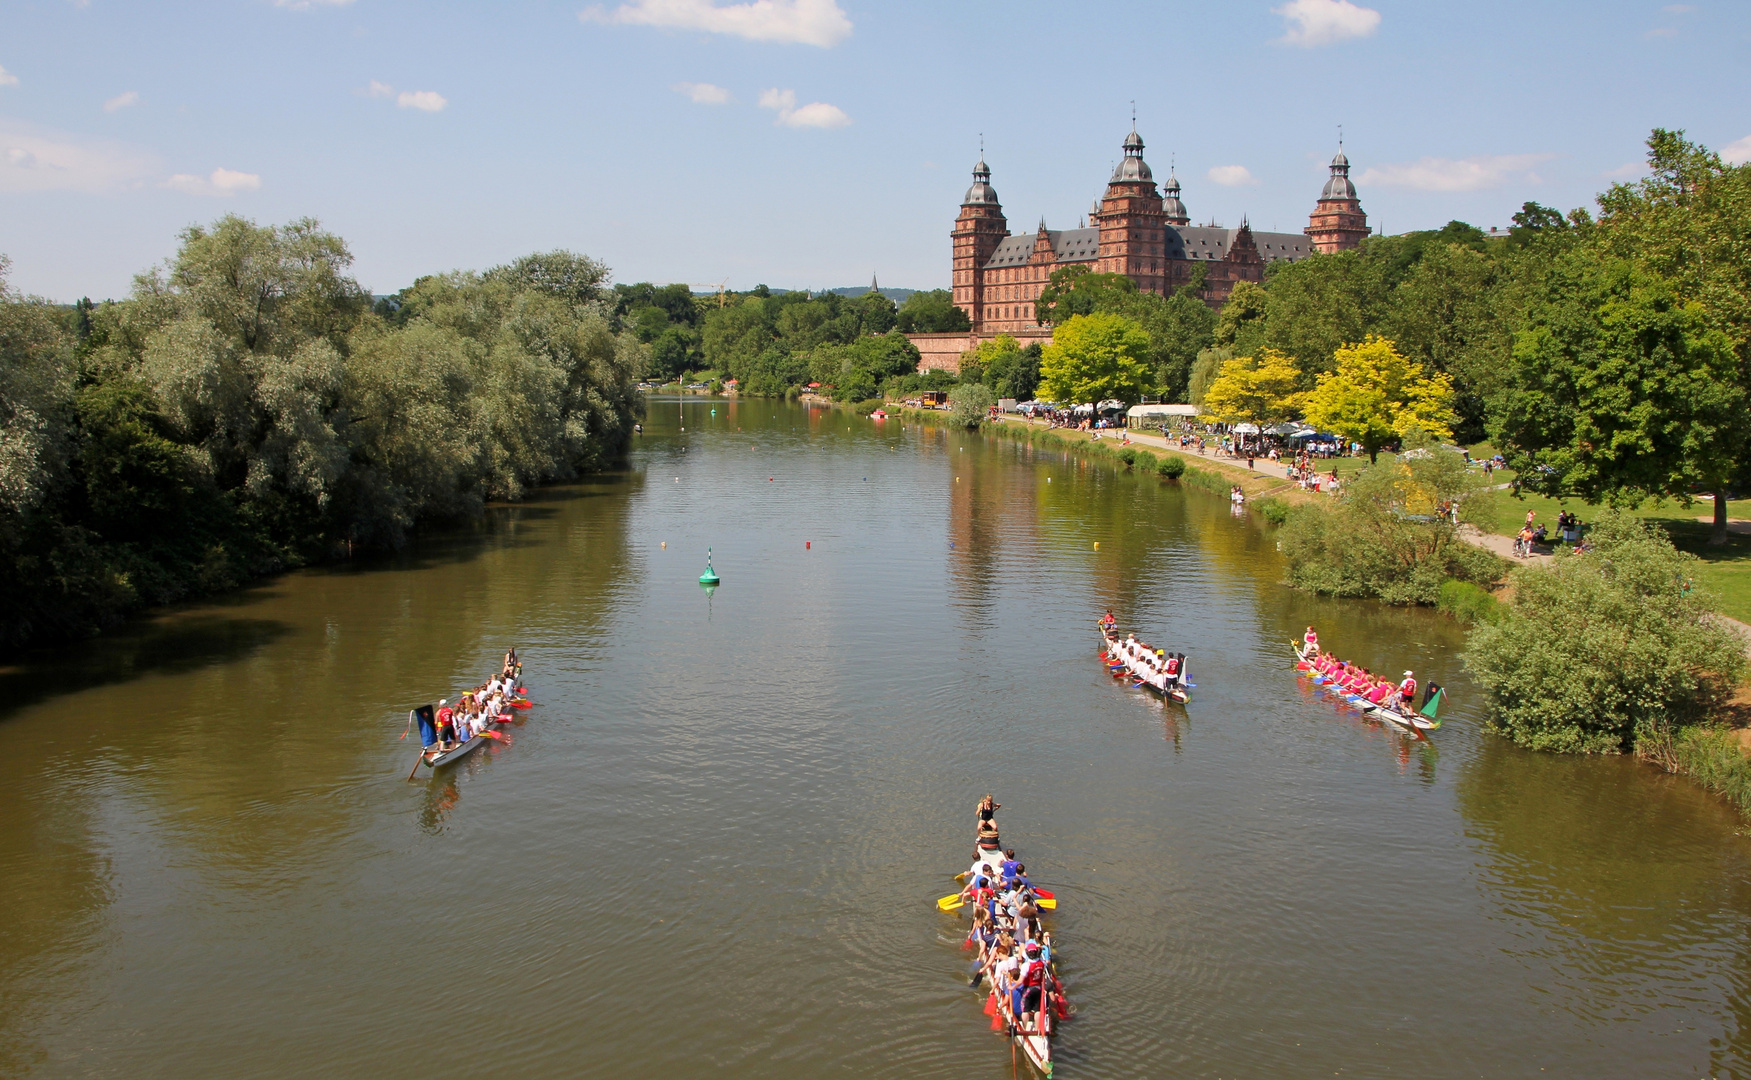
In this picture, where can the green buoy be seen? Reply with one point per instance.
(710, 575)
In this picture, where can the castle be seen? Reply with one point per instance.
(1135, 231)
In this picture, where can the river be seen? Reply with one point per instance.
(711, 850)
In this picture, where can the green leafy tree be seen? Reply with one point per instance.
(1076, 290)
(1411, 547)
(1619, 390)
(1375, 395)
(1315, 306)
(1240, 328)
(969, 404)
(931, 311)
(1205, 371)
(1093, 358)
(1634, 657)
(1454, 313)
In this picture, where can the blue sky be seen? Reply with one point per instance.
(806, 143)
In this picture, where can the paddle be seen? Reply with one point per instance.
(417, 762)
(952, 902)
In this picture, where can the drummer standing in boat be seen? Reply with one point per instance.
(988, 838)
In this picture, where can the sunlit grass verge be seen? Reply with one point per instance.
(1212, 476)
(1710, 754)
(1468, 602)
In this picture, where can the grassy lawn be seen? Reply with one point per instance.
(1725, 571)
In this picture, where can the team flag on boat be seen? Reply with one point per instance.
(1434, 703)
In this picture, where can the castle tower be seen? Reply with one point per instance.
(1133, 233)
(1172, 208)
(978, 230)
(1337, 222)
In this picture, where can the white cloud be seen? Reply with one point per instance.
(1737, 153)
(795, 22)
(379, 89)
(35, 160)
(1448, 174)
(218, 182)
(1323, 22)
(7, 78)
(702, 93)
(122, 100)
(1232, 176)
(423, 100)
(1625, 171)
(817, 114)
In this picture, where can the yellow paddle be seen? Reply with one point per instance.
(952, 902)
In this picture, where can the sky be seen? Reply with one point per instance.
(807, 143)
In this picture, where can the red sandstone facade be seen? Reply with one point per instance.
(1139, 232)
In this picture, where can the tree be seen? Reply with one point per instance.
(1688, 223)
(1179, 327)
(1204, 372)
(1619, 390)
(1258, 389)
(969, 404)
(1095, 357)
(1076, 290)
(1241, 325)
(1410, 548)
(930, 311)
(1375, 395)
(1454, 313)
(1635, 656)
(1314, 306)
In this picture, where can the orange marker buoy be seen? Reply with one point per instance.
(769, 479)
(806, 544)
(665, 545)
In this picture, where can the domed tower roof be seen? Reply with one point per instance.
(1170, 202)
(1132, 169)
(1339, 186)
(981, 193)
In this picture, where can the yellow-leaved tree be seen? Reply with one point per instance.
(1258, 390)
(1095, 357)
(1374, 395)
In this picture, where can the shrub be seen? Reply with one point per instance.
(1127, 455)
(867, 406)
(1143, 460)
(969, 403)
(1385, 538)
(1467, 602)
(1275, 511)
(1171, 467)
(1606, 651)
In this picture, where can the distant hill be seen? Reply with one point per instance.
(898, 296)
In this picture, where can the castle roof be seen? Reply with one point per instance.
(1205, 243)
(981, 193)
(1170, 201)
(1068, 245)
(1131, 168)
(1339, 186)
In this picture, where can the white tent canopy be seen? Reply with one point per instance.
(1162, 410)
(1246, 429)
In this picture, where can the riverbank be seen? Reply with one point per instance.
(1265, 492)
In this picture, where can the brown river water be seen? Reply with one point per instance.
(711, 850)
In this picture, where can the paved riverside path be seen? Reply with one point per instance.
(1501, 545)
